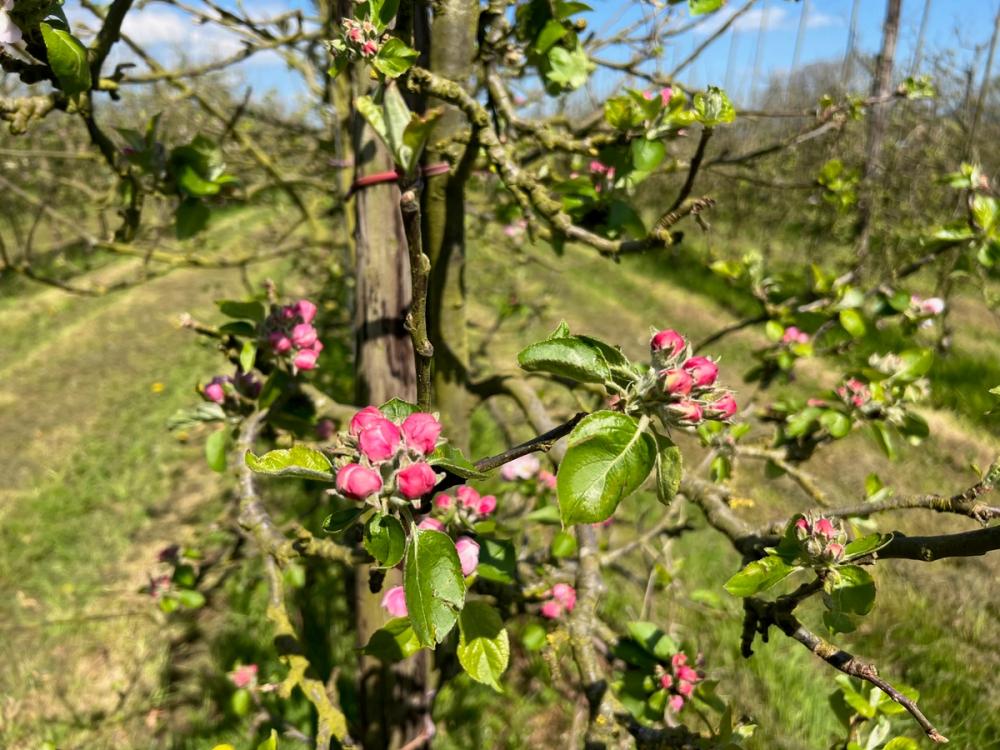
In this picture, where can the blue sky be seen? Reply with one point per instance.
(959, 25)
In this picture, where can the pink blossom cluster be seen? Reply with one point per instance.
(527, 467)
(793, 335)
(687, 384)
(394, 598)
(560, 599)
(392, 457)
(516, 229)
(467, 505)
(221, 387)
(244, 676)
(680, 681)
(665, 95)
(821, 538)
(855, 392)
(927, 307)
(290, 332)
(361, 37)
(601, 174)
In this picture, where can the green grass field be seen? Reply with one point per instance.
(95, 486)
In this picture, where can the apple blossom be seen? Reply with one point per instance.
(422, 431)
(379, 440)
(357, 481)
(394, 602)
(416, 480)
(468, 554)
(668, 340)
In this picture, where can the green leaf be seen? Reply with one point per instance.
(415, 136)
(915, 364)
(396, 410)
(483, 643)
(571, 357)
(901, 743)
(190, 599)
(271, 743)
(669, 468)
(839, 622)
(855, 699)
(385, 539)
(608, 459)
(384, 11)
(240, 703)
(393, 642)
(884, 440)
(545, 514)
(192, 216)
(713, 107)
(248, 355)
(837, 424)
(395, 58)
(434, 585)
(853, 323)
(342, 519)
(241, 310)
(698, 7)
(551, 33)
(759, 575)
(866, 545)
(647, 155)
(497, 560)
(298, 461)
(568, 68)
(849, 588)
(452, 460)
(563, 544)
(215, 450)
(534, 637)
(67, 58)
(653, 640)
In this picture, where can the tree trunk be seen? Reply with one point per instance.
(877, 120)
(392, 700)
(452, 47)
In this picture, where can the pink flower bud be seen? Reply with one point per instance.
(825, 527)
(666, 94)
(324, 429)
(524, 467)
(685, 688)
(364, 418)
(422, 431)
(355, 35)
(666, 681)
(394, 602)
(649, 95)
(369, 48)
(676, 382)
(552, 609)
(431, 523)
(303, 336)
(357, 481)
(548, 479)
(279, 342)
(379, 440)
(676, 703)
(932, 306)
(244, 676)
(416, 480)
(306, 310)
(597, 167)
(468, 554)
(687, 411)
(442, 500)
(678, 660)
(724, 408)
(834, 551)
(668, 340)
(703, 370)
(815, 402)
(487, 504)
(468, 497)
(802, 528)
(685, 672)
(306, 359)
(565, 595)
(215, 392)
(793, 335)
